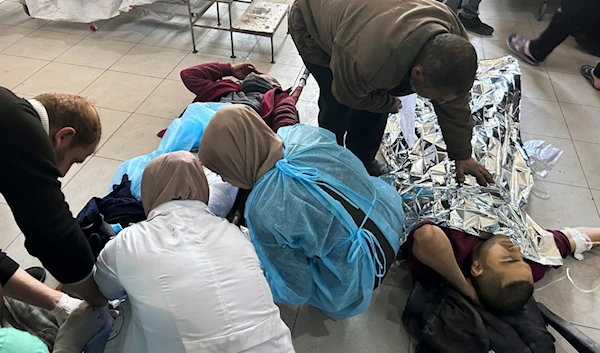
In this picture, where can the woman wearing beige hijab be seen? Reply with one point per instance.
(193, 280)
(325, 231)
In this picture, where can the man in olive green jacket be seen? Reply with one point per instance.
(364, 54)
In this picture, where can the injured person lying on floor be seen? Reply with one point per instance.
(491, 272)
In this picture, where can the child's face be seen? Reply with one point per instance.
(505, 258)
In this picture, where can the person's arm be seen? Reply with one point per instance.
(201, 79)
(105, 272)
(349, 87)
(456, 123)
(432, 247)
(29, 183)
(284, 112)
(29, 290)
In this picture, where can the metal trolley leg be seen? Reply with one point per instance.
(191, 15)
(231, 31)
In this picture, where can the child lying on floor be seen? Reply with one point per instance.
(492, 271)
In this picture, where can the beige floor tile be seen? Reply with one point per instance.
(82, 29)
(565, 59)
(15, 69)
(176, 34)
(574, 88)
(308, 112)
(126, 28)
(19, 18)
(9, 227)
(243, 43)
(149, 60)
(588, 155)
(490, 10)
(567, 170)
(543, 117)
(596, 196)
(285, 51)
(285, 74)
(477, 43)
(504, 28)
(168, 101)
(196, 59)
(121, 91)
(9, 35)
(57, 77)
(567, 206)
(137, 136)
(311, 90)
(540, 26)
(379, 329)
(288, 314)
(43, 45)
(92, 180)
(8, 6)
(583, 121)
(111, 121)
(563, 298)
(95, 52)
(495, 49)
(399, 276)
(75, 168)
(563, 346)
(537, 84)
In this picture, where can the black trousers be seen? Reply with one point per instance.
(572, 17)
(597, 70)
(361, 130)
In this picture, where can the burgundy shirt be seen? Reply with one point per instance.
(277, 108)
(463, 245)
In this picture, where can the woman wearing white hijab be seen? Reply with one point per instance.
(193, 280)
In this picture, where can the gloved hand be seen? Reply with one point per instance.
(65, 306)
(81, 326)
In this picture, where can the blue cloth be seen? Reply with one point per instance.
(310, 248)
(183, 134)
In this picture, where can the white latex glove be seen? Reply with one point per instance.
(79, 328)
(65, 306)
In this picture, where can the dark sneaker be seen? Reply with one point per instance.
(376, 168)
(37, 273)
(476, 26)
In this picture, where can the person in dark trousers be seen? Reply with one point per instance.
(592, 74)
(259, 91)
(468, 13)
(573, 17)
(364, 54)
(43, 137)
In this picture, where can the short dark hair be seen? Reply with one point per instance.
(69, 110)
(495, 297)
(448, 61)
(500, 299)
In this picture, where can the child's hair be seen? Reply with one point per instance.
(501, 299)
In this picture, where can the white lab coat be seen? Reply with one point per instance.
(194, 284)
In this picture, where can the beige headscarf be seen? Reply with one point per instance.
(173, 176)
(238, 145)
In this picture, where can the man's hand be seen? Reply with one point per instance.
(241, 70)
(470, 166)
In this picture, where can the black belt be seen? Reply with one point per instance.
(358, 216)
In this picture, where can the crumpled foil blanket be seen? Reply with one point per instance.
(425, 176)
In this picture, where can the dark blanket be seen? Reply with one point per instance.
(446, 322)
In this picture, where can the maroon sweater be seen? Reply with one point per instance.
(206, 81)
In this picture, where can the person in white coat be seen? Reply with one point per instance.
(193, 280)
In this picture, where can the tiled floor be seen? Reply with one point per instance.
(130, 68)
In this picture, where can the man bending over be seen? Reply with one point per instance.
(491, 272)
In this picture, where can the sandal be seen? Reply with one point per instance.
(586, 71)
(517, 45)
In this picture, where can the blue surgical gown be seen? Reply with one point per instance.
(310, 248)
